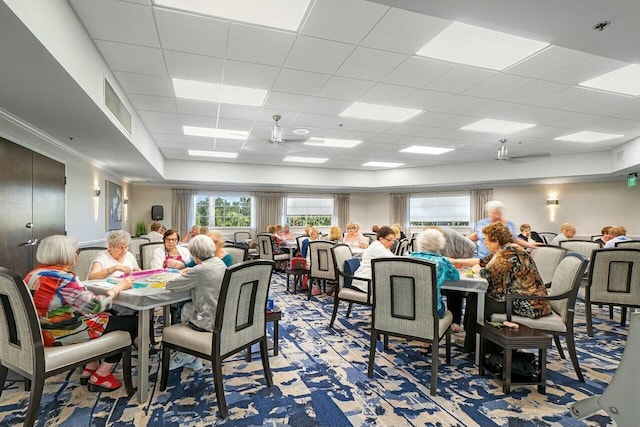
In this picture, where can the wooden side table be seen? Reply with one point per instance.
(298, 274)
(272, 316)
(512, 339)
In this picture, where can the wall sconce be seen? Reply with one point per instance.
(551, 202)
(125, 201)
(96, 191)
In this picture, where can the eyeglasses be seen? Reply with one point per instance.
(170, 240)
(351, 228)
(122, 247)
(389, 240)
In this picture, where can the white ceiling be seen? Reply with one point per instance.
(355, 50)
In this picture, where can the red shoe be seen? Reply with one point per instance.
(85, 375)
(106, 383)
(316, 290)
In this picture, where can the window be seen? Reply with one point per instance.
(445, 210)
(309, 211)
(220, 212)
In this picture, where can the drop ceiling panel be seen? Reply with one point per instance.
(260, 45)
(191, 33)
(535, 90)
(144, 84)
(345, 88)
(197, 108)
(161, 122)
(427, 100)
(347, 21)
(238, 112)
(458, 78)
(321, 56)
(370, 64)
(300, 82)
(188, 66)
(132, 58)
(416, 72)
(498, 85)
(325, 106)
(250, 75)
(387, 94)
(285, 101)
(551, 60)
(591, 67)
(153, 103)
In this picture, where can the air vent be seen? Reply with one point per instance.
(117, 108)
(620, 156)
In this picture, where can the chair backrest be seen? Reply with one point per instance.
(84, 261)
(405, 297)
(547, 259)
(241, 312)
(341, 253)
(614, 276)
(403, 247)
(134, 246)
(299, 241)
(21, 346)
(146, 254)
(321, 260)
(582, 247)
(237, 253)
(371, 236)
(241, 236)
(547, 236)
(567, 278)
(628, 244)
(265, 246)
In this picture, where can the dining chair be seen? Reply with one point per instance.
(614, 279)
(22, 349)
(562, 297)
(405, 304)
(146, 254)
(134, 246)
(628, 244)
(299, 241)
(615, 400)
(582, 247)
(267, 251)
(345, 265)
(321, 268)
(241, 236)
(547, 236)
(85, 259)
(240, 322)
(547, 259)
(237, 253)
(403, 247)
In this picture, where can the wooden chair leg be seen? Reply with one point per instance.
(164, 373)
(556, 339)
(34, 400)
(219, 389)
(587, 314)
(264, 352)
(571, 346)
(126, 371)
(3, 377)
(336, 303)
(372, 353)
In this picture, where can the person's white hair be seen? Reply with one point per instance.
(119, 237)
(430, 240)
(494, 205)
(57, 250)
(202, 247)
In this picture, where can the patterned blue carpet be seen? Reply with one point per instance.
(320, 379)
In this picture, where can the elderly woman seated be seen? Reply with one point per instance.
(429, 244)
(378, 249)
(204, 281)
(71, 314)
(218, 241)
(116, 260)
(355, 239)
(171, 255)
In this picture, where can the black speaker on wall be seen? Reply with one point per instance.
(157, 213)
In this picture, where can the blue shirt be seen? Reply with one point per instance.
(444, 271)
(482, 250)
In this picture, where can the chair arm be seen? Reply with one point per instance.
(511, 297)
(345, 275)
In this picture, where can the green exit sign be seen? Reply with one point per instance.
(632, 181)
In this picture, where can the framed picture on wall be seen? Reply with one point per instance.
(113, 204)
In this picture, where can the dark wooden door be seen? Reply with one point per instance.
(32, 193)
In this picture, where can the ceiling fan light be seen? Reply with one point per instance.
(276, 133)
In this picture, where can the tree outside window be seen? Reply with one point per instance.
(221, 212)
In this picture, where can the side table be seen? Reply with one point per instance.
(272, 316)
(512, 339)
(298, 274)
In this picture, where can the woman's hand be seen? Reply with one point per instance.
(476, 269)
(121, 267)
(174, 263)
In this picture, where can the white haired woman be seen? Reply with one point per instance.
(70, 314)
(429, 244)
(204, 280)
(218, 241)
(116, 260)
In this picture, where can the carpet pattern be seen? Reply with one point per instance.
(320, 378)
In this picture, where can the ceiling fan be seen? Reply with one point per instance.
(503, 153)
(276, 133)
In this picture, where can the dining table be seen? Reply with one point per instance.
(143, 299)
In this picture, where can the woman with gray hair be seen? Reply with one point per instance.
(116, 260)
(69, 313)
(204, 280)
(430, 242)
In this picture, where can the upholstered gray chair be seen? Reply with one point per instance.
(547, 259)
(562, 297)
(266, 251)
(403, 247)
(405, 304)
(134, 246)
(240, 322)
(300, 240)
(146, 254)
(241, 236)
(237, 253)
(22, 349)
(617, 400)
(582, 247)
(85, 259)
(614, 279)
(321, 268)
(547, 236)
(628, 244)
(341, 256)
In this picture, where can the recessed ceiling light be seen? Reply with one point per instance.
(214, 92)
(480, 47)
(497, 126)
(587, 136)
(624, 80)
(201, 153)
(385, 113)
(382, 164)
(215, 133)
(426, 150)
(285, 14)
(300, 131)
(304, 159)
(330, 142)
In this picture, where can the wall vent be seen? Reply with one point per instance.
(117, 108)
(620, 156)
